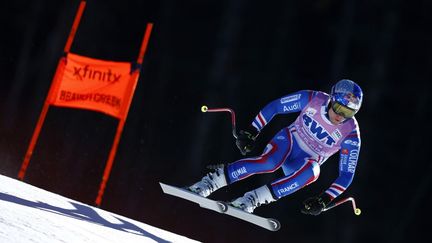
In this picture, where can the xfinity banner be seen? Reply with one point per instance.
(88, 83)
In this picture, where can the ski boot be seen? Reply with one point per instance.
(211, 182)
(253, 199)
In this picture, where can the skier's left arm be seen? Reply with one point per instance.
(349, 152)
(348, 156)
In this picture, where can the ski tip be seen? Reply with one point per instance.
(163, 186)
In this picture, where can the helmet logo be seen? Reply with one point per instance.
(351, 98)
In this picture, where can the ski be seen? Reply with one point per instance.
(221, 207)
(217, 206)
(267, 223)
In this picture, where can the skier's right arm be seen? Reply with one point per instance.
(293, 102)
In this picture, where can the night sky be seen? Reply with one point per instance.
(238, 54)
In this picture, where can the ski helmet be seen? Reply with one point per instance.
(346, 98)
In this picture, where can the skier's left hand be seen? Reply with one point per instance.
(315, 205)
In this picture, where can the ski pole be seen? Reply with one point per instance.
(357, 210)
(233, 119)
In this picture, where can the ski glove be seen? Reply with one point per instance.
(246, 141)
(315, 205)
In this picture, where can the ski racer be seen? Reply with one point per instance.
(325, 125)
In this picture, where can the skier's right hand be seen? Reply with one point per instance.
(245, 141)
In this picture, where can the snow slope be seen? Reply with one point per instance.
(30, 214)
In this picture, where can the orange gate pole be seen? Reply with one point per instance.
(130, 91)
(51, 92)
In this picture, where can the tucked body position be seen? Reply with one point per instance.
(325, 125)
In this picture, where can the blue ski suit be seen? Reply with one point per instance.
(302, 147)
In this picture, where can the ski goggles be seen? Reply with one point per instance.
(342, 110)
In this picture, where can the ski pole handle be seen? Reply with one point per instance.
(357, 210)
(233, 119)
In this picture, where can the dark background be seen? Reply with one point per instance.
(238, 54)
